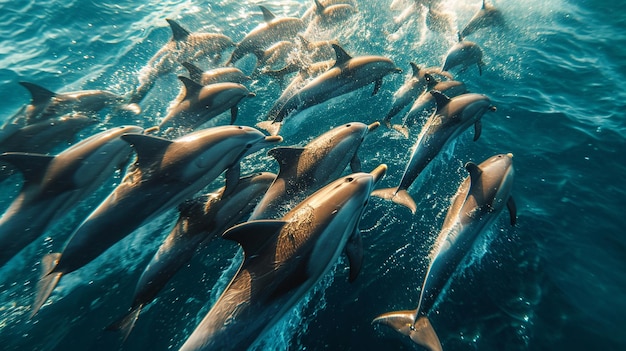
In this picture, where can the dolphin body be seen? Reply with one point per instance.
(413, 86)
(305, 170)
(184, 46)
(54, 184)
(347, 75)
(200, 220)
(487, 16)
(452, 117)
(166, 173)
(283, 260)
(264, 35)
(310, 14)
(326, 16)
(202, 103)
(465, 53)
(477, 203)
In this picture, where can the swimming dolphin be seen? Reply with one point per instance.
(283, 260)
(413, 86)
(477, 203)
(305, 170)
(329, 15)
(200, 220)
(264, 35)
(465, 53)
(183, 46)
(200, 104)
(347, 75)
(166, 173)
(215, 75)
(54, 184)
(452, 117)
(487, 16)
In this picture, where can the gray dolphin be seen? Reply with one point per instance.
(274, 29)
(330, 15)
(477, 203)
(305, 75)
(54, 184)
(465, 53)
(413, 86)
(183, 46)
(215, 75)
(347, 75)
(166, 173)
(487, 16)
(200, 104)
(283, 260)
(200, 220)
(305, 170)
(452, 117)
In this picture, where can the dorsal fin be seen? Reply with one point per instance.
(286, 157)
(195, 72)
(33, 166)
(474, 172)
(191, 88)
(458, 34)
(441, 99)
(305, 42)
(268, 16)
(415, 68)
(178, 33)
(342, 55)
(253, 235)
(38, 93)
(147, 147)
(484, 4)
(319, 8)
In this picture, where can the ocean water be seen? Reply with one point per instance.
(556, 280)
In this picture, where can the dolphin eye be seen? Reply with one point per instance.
(240, 127)
(349, 179)
(348, 125)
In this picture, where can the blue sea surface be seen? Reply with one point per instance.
(555, 281)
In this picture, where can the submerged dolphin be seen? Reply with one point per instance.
(452, 117)
(201, 220)
(182, 47)
(413, 86)
(465, 53)
(487, 16)
(54, 184)
(166, 173)
(305, 170)
(347, 75)
(202, 103)
(477, 203)
(264, 35)
(283, 260)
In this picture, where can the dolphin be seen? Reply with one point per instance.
(487, 16)
(200, 220)
(46, 104)
(54, 184)
(264, 35)
(165, 173)
(201, 103)
(477, 203)
(305, 170)
(311, 12)
(413, 86)
(183, 46)
(464, 53)
(347, 75)
(452, 117)
(277, 55)
(283, 260)
(330, 15)
(437, 20)
(215, 75)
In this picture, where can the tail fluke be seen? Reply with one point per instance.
(126, 323)
(399, 196)
(420, 331)
(48, 281)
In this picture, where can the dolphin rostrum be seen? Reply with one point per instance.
(54, 184)
(477, 203)
(283, 260)
(200, 220)
(165, 173)
(452, 117)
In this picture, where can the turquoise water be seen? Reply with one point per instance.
(555, 281)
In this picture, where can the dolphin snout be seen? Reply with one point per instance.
(373, 126)
(379, 172)
(273, 139)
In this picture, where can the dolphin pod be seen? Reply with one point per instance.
(283, 259)
(477, 203)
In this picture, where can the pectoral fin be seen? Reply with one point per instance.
(512, 207)
(354, 251)
(377, 84)
(233, 114)
(478, 128)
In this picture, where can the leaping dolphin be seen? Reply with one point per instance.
(452, 117)
(54, 184)
(487, 16)
(477, 203)
(283, 260)
(465, 53)
(166, 173)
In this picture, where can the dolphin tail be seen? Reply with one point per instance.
(402, 129)
(420, 331)
(272, 127)
(48, 281)
(132, 107)
(399, 196)
(126, 323)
